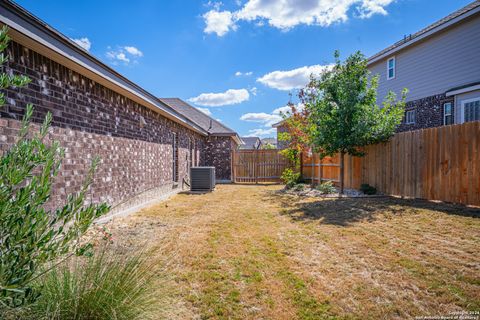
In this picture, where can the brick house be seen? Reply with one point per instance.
(440, 65)
(280, 126)
(146, 144)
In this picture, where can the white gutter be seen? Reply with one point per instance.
(462, 90)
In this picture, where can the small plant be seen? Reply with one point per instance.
(106, 234)
(368, 189)
(326, 188)
(108, 285)
(299, 187)
(290, 178)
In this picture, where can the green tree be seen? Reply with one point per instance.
(297, 135)
(31, 236)
(344, 112)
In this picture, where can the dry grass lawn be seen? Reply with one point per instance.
(252, 252)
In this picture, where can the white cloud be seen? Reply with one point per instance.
(133, 51)
(266, 119)
(261, 132)
(126, 54)
(285, 109)
(239, 73)
(229, 97)
(253, 91)
(83, 42)
(292, 79)
(122, 57)
(219, 22)
(269, 119)
(286, 14)
(370, 7)
(282, 110)
(205, 110)
(214, 4)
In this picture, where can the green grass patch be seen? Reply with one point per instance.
(308, 307)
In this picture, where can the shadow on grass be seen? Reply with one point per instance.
(347, 211)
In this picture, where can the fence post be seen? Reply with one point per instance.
(232, 165)
(256, 166)
(301, 164)
(320, 169)
(313, 169)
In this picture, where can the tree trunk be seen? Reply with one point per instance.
(342, 170)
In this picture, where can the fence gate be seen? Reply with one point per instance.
(254, 166)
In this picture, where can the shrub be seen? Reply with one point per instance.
(30, 235)
(326, 188)
(108, 285)
(290, 178)
(368, 189)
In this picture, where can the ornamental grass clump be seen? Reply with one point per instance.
(107, 285)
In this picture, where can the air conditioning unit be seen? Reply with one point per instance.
(202, 178)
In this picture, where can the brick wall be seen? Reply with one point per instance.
(429, 112)
(218, 153)
(134, 142)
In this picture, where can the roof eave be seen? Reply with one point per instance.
(278, 124)
(233, 135)
(32, 32)
(427, 34)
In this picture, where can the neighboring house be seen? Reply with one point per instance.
(250, 143)
(269, 141)
(281, 144)
(146, 144)
(440, 66)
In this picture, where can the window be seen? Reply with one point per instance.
(174, 158)
(471, 110)
(410, 117)
(447, 113)
(391, 68)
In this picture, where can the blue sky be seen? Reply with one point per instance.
(238, 59)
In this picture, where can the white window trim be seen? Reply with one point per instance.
(462, 109)
(394, 68)
(414, 116)
(444, 114)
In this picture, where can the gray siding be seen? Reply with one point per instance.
(448, 59)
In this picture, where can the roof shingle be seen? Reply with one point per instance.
(250, 142)
(207, 123)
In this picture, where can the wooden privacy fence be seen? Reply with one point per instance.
(440, 163)
(321, 170)
(253, 166)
